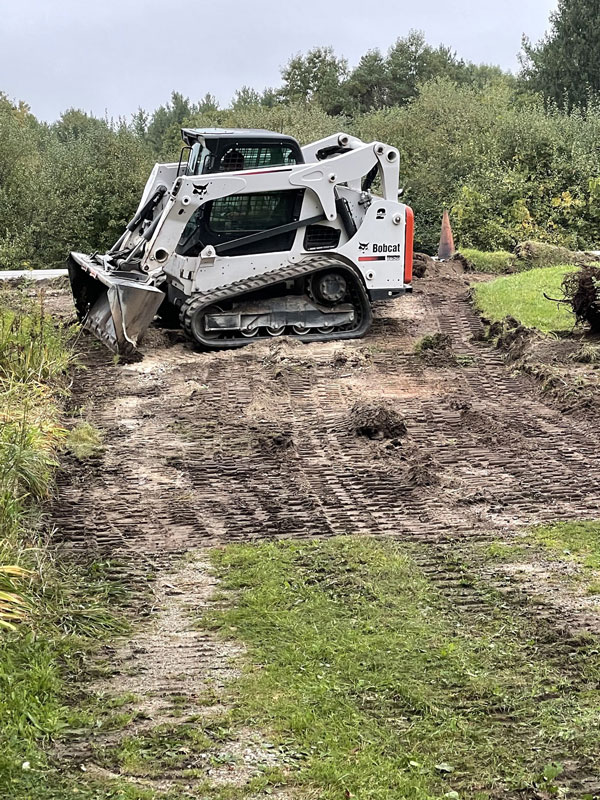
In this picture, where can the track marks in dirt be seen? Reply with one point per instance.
(213, 448)
(174, 677)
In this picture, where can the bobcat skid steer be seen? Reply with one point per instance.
(249, 237)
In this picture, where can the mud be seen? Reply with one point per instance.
(566, 370)
(196, 439)
(376, 421)
(285, 440)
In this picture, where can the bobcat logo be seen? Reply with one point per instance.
(362, 246)
(200, 189)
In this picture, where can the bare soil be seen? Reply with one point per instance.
(287, 440)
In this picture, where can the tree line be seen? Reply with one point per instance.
(512, 157)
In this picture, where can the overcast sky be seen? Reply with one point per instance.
(117, 55)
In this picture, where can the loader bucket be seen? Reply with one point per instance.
(117, 307)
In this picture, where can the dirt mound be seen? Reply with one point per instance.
(581, 291)
(273, 440)
(352, 358)
(468, 266)
(512, 337)
(421, 263)
(156, 337)
(288, 352)
(376, 421)
(423, 469)
(436, 350)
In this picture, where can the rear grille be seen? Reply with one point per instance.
(321, 237)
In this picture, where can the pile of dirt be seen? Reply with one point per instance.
(423, 469)
(376, 420)
(288, 352)
(512, 337)
(274, 439)
(581, 291)
(356, 359)
(421, 263)
(436, 350)
(467, 265)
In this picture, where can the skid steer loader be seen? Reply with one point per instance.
(250, 236)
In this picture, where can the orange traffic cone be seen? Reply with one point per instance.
(446, 249)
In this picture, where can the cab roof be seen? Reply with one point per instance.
(191, 135)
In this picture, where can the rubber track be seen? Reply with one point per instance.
(289, 272)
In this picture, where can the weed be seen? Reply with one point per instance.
(587, 354)
(51, 614)
(84, 441)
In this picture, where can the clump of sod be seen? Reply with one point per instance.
(376, 421)
(581, 290)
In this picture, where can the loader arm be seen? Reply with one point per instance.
(321, 178)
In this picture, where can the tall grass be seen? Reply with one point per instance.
(34, 356)
(50, 612)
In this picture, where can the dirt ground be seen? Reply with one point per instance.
(281, 440)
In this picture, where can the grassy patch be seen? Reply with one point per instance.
(379, 687)
(579, 540)
(522, 296)
(495, 262)
(52, 614)
(84, 441)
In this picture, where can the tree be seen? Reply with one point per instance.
(368, 85)
(411, 62)
(208, 105)
(245, 97)
(317, 77)
(173, 114)
(565, 65)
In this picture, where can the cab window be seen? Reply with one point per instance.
(239, 215)
(238, 157)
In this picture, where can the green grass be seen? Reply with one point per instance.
(580, 540)
(58, 612)
(495, 262)
(377, 687)
(84, 441)
(522, 296)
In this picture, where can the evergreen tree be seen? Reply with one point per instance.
(317, 76)
(368, 85)
(411, 62)
(565, 65)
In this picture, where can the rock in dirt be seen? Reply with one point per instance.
(376, 421)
